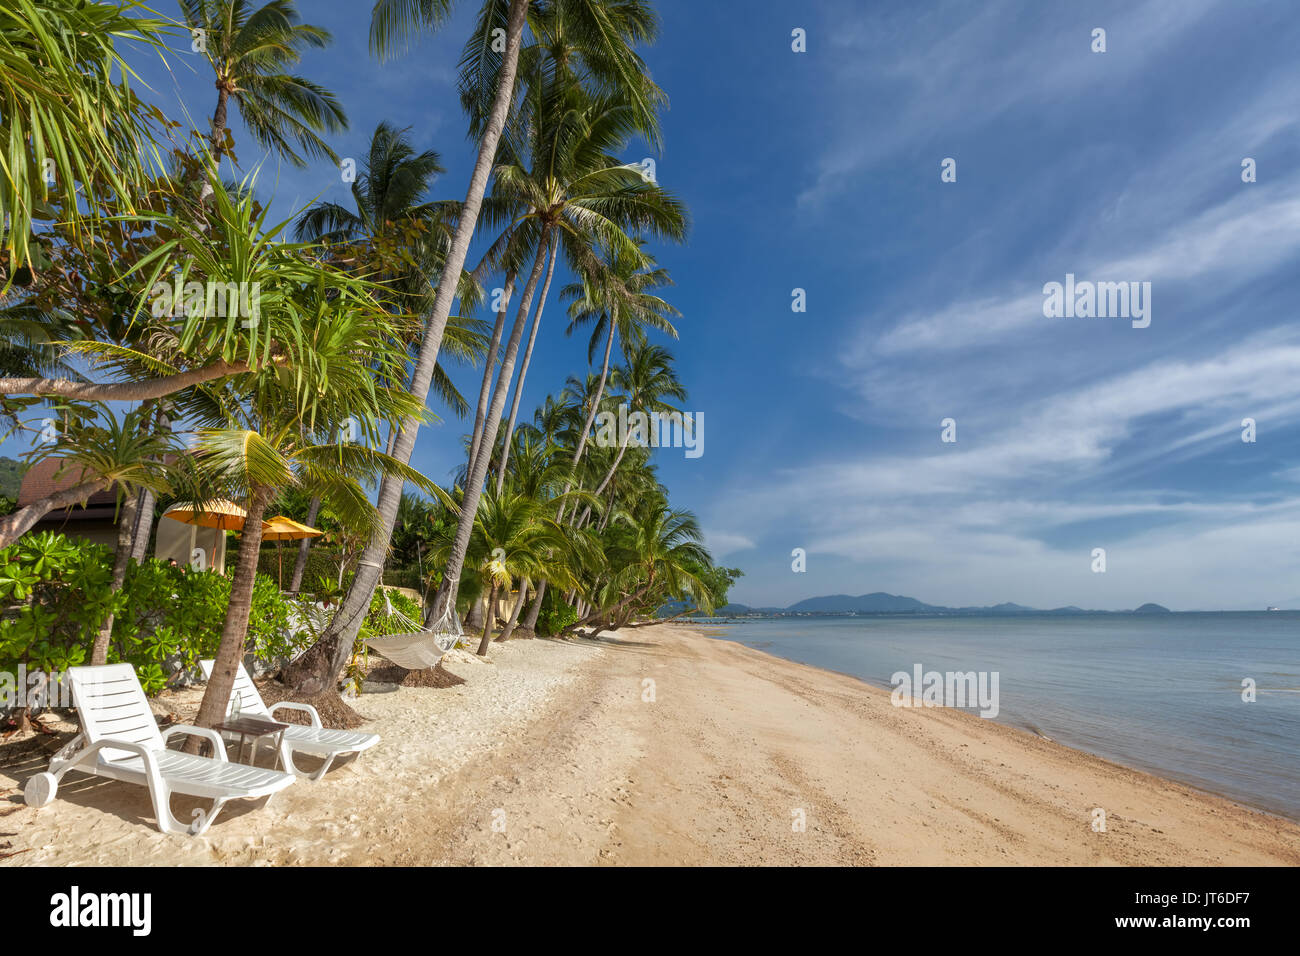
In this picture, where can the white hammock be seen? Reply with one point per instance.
(419, 649)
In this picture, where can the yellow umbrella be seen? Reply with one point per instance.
(279, 529)
(219, 513)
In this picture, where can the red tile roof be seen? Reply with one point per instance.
(39, 482)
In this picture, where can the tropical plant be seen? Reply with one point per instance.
(250, 51)
(487, 65)
(90, 133)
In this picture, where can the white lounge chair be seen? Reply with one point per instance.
(120, 740)
(315, 740)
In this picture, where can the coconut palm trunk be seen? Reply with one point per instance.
(514, 613)
(523, 369)
(318, 669)
(488, 619)
(142, 532)
(121, 561)
(304, 546)
(230, 652)
(489, 366)
(535, 608)
(141, 523)
(474, 482)
(591, 412)
(14, 526)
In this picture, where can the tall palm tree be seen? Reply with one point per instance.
(615, 299)
(251, 51)
(395, 233)
(485, 65)
(577, 194)
(562, 66)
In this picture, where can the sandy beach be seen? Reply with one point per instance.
(658, 745)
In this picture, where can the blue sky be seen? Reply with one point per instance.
(821, 171)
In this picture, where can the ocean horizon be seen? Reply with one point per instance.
(1161, 693)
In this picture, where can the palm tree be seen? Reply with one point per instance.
(250, 52)
(485, 65)
(397, 234)
(578, 194)
(512, 540)
(277, 436)
(656, 560)
(615, 300)
(559, 68)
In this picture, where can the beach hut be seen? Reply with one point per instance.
(202, 530)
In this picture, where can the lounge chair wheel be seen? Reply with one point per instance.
(40, 790)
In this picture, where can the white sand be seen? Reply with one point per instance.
(553, 754)
(351, 816)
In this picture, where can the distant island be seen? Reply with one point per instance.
(1152, 609)
(878, 602)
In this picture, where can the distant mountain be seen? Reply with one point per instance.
(877, 602)
(729, 609)
(1152, 609)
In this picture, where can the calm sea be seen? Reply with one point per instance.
(1161, 693)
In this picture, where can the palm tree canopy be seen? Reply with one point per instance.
(251, 51)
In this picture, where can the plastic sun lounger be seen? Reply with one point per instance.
(120, 740)
(314, 740)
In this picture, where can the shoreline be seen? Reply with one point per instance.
(665, 746)
(1200, 787)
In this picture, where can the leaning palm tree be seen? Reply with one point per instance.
(397, 235)
(251, 51)
(576, 194)
(488, 64)
(278, 435)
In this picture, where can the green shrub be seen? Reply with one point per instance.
(176, 614)
(555, 615)
(322, 561)
(60, 591)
